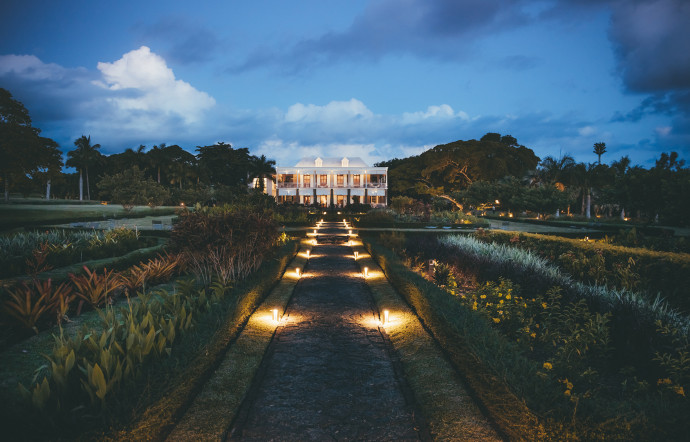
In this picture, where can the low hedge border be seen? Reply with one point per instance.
(471, 345)
(215, 408)
(159, 419)
(666, 273)
(449, 408)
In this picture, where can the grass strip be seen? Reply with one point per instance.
(464, 338)
(439, 390)
(215, 408)
(160, 418)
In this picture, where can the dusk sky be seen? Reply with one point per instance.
(377, 79)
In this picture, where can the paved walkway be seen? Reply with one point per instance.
(328, 374)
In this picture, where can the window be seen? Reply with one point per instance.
(306, 179)
(340, 180)
(323, 180)
(307, 200)
(341, 200)
(355, 180)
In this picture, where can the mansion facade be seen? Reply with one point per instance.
(331, 181)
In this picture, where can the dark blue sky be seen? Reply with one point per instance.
(377, 79)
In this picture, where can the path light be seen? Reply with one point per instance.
(349, 232)
(314, 231)
(275, 314)
(315, 242)
(356, 255)
(385, 317)
(297, 271)
(366, 272)
(308, 251)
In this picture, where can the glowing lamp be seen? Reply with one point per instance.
(308, 252)
(297, 271)
(385, 317)
(314, 231)
(366, 272)
(349, 232)
(275, 314)
(356, 255)
(315, 242)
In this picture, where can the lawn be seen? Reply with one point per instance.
(26, 215)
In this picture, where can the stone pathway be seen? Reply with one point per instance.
(328, 374)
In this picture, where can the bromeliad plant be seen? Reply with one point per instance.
(33, 302)
(94, 289)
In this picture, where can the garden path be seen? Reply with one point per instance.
(328, 373)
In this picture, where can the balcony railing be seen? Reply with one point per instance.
(332, 186)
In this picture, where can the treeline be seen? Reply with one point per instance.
(496, 173)
(162, 174)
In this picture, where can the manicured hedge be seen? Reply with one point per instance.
(661, 273)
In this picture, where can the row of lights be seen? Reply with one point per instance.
(386, 316)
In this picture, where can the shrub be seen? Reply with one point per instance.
(650, 273)
(223, 243)
(30, 303)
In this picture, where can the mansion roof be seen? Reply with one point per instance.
(331, 162)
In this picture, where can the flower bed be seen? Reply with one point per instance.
(590, 362)
(651, 273)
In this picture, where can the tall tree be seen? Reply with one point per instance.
(262, 168)
(221, 164)
(84, 156)
(50, 166)
(599, 149)
(22, 151)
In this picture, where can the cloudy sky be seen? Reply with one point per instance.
(377, 79)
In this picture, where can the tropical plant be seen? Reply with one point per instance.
(84, 156)
(30, 303)
(94, 289)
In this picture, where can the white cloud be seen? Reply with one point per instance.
(335, 111)
(663, 131)
(441, 112)
(149, 85)
(586, 131)
(30, 67)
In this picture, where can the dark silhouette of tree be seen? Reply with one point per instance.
(599, 149)
(83, 157)
(23, 153)
(262, 168)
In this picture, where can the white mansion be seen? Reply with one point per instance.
(326, 181)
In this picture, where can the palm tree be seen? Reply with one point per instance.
(557, 172)
(262, 168)
(599, 149)
(81, 158)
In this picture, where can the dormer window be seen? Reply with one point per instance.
(318, 162)
(345, 162)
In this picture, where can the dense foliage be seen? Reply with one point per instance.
(592, 362)
(651, 273)
(454, 166)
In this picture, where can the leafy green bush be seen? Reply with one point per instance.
(224, 243)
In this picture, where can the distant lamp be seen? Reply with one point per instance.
(349, 232)
(385, 317)
(308, 252)
(275, 314)
(356, 255)
(297, 271)
(366, 272)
